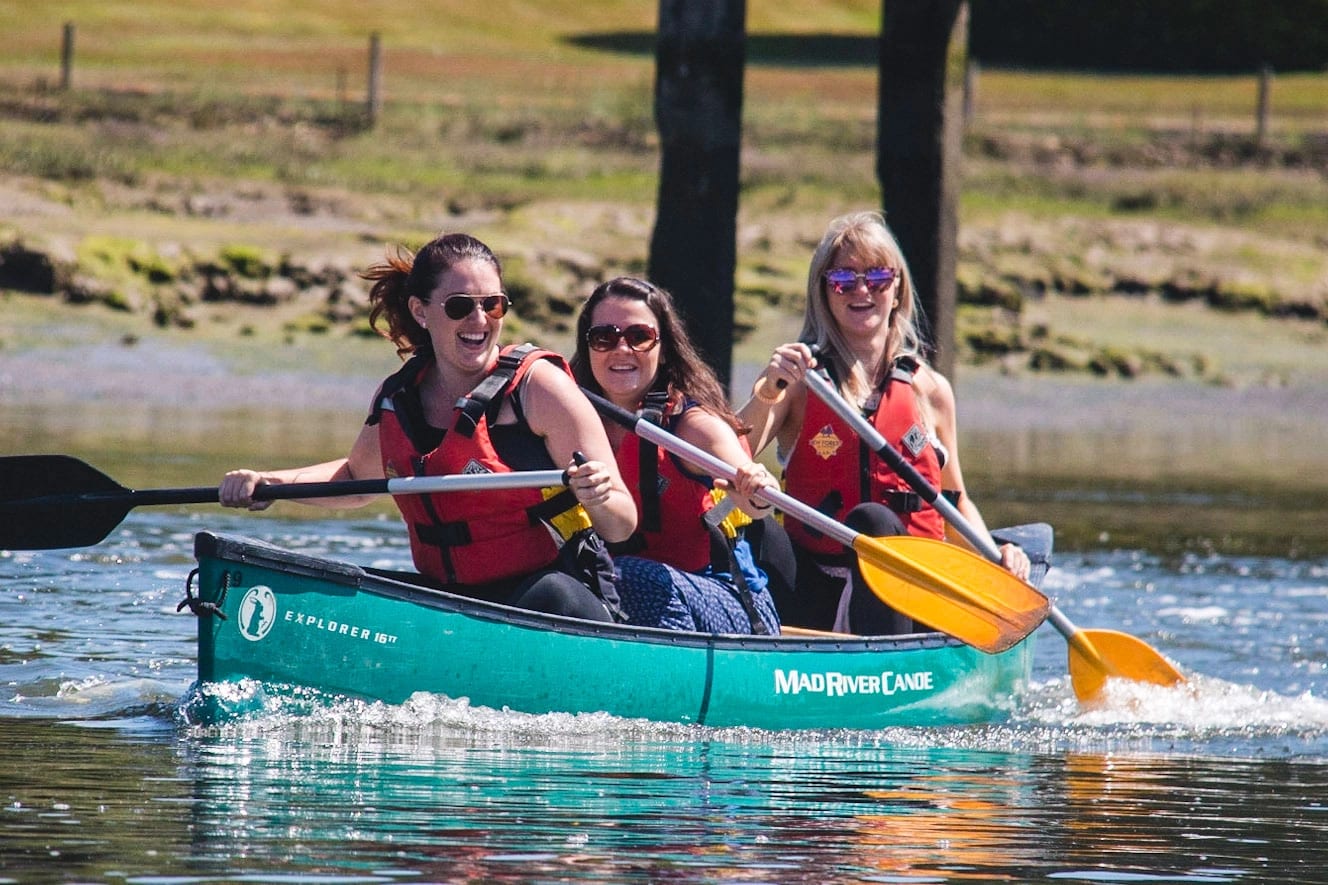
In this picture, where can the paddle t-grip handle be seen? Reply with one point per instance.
(770, 398)
(578, 458)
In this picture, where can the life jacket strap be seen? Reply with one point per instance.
(552, 507)
(723, 559)
(902, 501)
(652, 410)
(486, 400)
(443, 534)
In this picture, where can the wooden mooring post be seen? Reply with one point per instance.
(924, 51)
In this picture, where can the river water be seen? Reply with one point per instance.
(1222, 780)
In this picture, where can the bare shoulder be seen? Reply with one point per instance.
(554, 390)
(550, 396)
(935, 388)
(699, 426)
(928, 381)
(546, 377)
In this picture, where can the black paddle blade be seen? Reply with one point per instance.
(52, 501)
(40, 476)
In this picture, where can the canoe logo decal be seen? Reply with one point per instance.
(258, 612)
(826, 443)
(835, 684)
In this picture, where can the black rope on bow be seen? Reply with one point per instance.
(198, 606)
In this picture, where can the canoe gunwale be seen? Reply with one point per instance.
(243, 550)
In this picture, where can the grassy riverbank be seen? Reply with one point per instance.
(1143, 283)
(199, 141)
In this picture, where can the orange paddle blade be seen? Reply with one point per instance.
(1099, 655)
(951, 589)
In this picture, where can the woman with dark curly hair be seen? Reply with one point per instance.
(463, 403)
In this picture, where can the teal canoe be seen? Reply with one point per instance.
(291, 621)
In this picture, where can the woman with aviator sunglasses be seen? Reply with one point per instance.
(688, 566)
(464, 404)
(862, 325)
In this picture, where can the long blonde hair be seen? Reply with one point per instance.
(867, 234)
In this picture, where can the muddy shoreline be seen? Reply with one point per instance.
(169, 376)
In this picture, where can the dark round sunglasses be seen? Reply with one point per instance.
(843, 279)
(639, 337)
(460, 305)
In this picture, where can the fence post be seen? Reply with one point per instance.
(375, 78)
(67, 57)
(1261, 112)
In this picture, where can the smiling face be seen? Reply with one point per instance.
(624, 374)
(469, 345)
(860, 313)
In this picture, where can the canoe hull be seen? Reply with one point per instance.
(294, 620)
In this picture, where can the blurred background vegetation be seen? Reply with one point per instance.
(207, 162)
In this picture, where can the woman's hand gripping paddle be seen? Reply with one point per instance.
(1094, 655)
(51, 501)
(946, 587)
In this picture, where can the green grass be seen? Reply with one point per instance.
(506, 118)
(501, 99)
(1126, 103)
(1290, 353)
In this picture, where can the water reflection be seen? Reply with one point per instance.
(145, 445)
(1223, 781)
(1196, 818)
(342, 798)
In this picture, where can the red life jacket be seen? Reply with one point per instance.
(482, 536)
(834, 471)
(702, 523)
(671, 523)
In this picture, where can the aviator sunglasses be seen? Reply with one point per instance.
(460, 305)
(639, 337)
(843, 279)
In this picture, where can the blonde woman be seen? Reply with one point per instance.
(862, 326)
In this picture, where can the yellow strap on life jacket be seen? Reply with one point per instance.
(570, 521)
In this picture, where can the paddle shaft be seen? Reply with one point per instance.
(821, 386)
(406, 485)
(51, 501)
(1079, 640)
(723, 470)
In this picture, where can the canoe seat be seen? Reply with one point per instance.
(785, 630)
